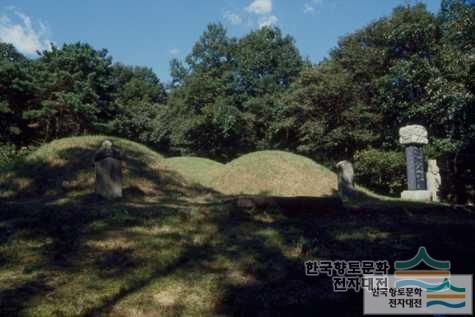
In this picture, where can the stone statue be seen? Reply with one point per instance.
(433, 179)
(108, 163)
(346, 186)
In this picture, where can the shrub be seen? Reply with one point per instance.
(381, 171)
(7, 154)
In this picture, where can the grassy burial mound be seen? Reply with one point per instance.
(194, 169)
(65, 168)
(274, 173)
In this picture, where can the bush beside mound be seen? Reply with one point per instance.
(382, 171)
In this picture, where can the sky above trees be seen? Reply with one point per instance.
(154, 32)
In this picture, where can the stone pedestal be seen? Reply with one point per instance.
(108, 164)
(414, 137)
(416, 195)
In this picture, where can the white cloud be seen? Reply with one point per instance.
(268, 21)
(233, 18)
(174, 51)
(311, 7)
(260, 7)
(308, 8)
(23, 34)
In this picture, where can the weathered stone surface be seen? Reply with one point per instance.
(416, 195)
(416, 177)
(345, 172)
(108, 163)
(413, 134)
(433, 179)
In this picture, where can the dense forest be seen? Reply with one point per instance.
(236, 95)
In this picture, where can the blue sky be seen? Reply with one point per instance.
(151, 33)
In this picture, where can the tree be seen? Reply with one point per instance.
(76, 91)
(227, 99)
(202, 105)
(140, 100)
(18, 91)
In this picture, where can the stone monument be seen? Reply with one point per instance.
(433, 179)
(414, 137)
(108, 164)
(346, 186)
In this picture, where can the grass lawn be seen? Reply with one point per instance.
(275, 173)
(174, 248)
(194, 169)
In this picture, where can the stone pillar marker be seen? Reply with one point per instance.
(414, 137)
(108, 164)
(346, 186)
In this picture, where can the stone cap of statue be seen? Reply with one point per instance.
(413, 134)
(107, 150)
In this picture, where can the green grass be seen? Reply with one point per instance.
(194, 169)
(65, 167)
(174, 248)
(275, 173)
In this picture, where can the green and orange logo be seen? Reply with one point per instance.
(442, 293)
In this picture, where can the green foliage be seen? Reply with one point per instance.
(7, 155)
(227, 100)
(75, 90)
(384, 170)
(412, 67)
(18, 87)
(267, 61)
(324, 117)
(138, 122)
(134, 84)
(139, 99)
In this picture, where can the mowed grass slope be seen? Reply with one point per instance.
(171, 248)
(66, 168)
(275, 173)
(195, 169)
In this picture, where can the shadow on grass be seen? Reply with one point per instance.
(13, 300)
(267, 238)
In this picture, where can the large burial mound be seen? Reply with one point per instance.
(194, 169)
(274, 173)
(65, 169)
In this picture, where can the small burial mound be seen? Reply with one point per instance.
(194, 169)
(274, 173)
